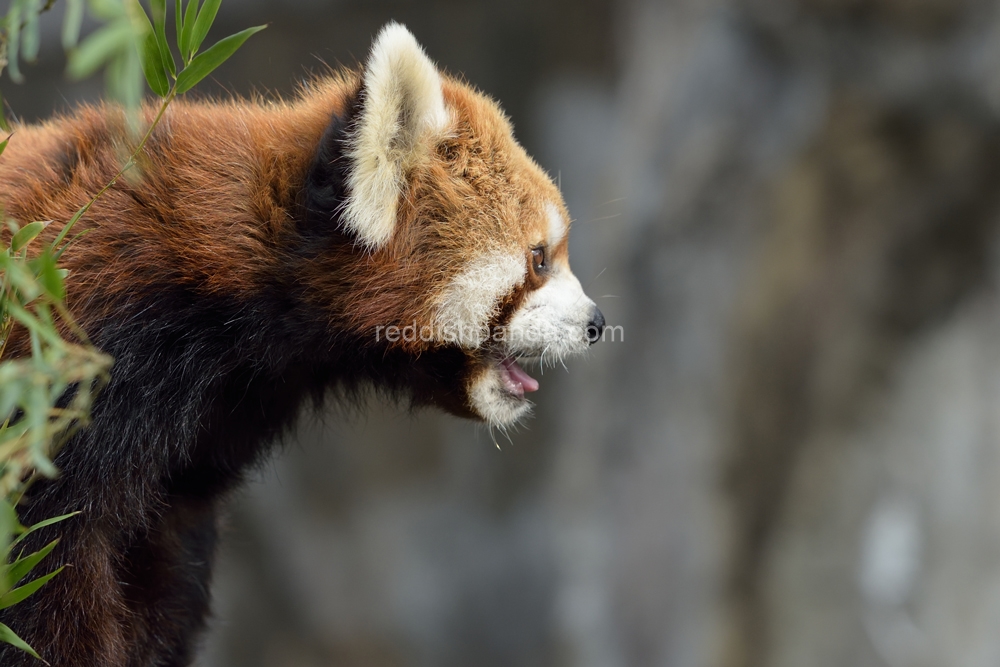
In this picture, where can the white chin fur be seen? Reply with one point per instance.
(493, 403)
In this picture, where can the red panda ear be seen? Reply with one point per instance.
(402, 110)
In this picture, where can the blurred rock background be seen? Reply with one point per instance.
(793, 458)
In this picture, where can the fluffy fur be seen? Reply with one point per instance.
(403, 114)
(255, 265)
(472, 298)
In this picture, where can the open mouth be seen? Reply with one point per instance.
(516, 381)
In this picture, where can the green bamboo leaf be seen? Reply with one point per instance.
(3, 145)
(206, 17)
(72, 22)
(16, 432)
(42, 524)
(59, 251)
(178, 23)
(9, 522)
(184, 36)
(40, 459)
(205, 64)
(124, 79)
(3, 116)
(31, 39)
(20, 568)
(49, 278)
(37, 409)
(23, 282)
(108, 10)
(29, 401)
(159, 8)
(99, 48)
(27, 234)
(22, 593)
(10, 394)
(8, 637)
(13, 42)
(153, 66)
(31, 323)
(68, 226)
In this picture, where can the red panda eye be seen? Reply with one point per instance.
(538, 258)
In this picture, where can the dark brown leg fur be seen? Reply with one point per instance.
(139, 606)
(166, 576)
(78, 618)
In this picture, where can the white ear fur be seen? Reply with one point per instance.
(403, 104)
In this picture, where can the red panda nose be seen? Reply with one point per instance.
(596, 326)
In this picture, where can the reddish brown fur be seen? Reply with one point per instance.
(227, 176)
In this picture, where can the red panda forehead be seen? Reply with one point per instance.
(525, 201)
(475, 110)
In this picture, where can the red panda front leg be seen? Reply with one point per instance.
(79, 618)
(166, 573)
(107, 608)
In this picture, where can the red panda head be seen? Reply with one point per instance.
(458, 238)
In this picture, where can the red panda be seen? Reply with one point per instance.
(383, 229)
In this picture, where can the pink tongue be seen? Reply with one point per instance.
(517, 374)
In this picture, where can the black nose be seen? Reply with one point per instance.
(596, 326)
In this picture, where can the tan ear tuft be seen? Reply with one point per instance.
(402, 110)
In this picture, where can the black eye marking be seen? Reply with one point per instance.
(538, 259)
